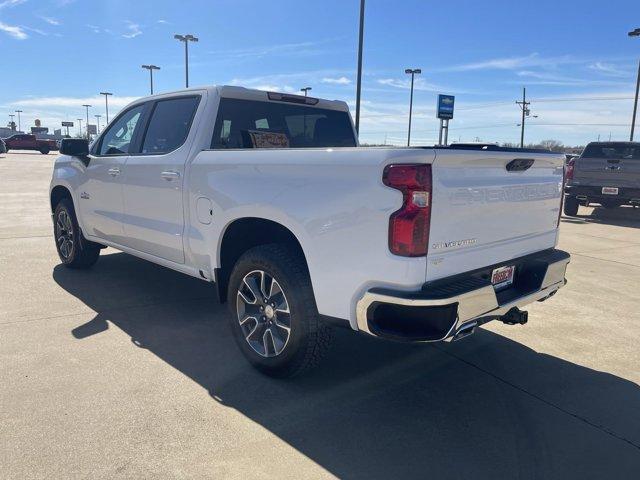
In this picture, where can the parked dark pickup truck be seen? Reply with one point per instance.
(23, 141)
(607, 173)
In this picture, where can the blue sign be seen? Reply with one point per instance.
(445, 106)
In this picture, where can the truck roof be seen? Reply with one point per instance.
(242, 93)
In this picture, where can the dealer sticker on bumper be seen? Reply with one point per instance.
(502, 277)
(610, 190)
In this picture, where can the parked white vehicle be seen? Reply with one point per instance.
(269, 196)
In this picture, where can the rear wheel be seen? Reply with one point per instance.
(74, 250)
(274, 316)
(571, 206)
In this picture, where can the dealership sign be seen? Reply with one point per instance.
(67, 124)
(445, 106)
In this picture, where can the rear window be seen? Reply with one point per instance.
(255, 124)
(613, 151)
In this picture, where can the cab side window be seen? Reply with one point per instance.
(117, 139)
(169, 125)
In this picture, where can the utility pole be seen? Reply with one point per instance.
(359, 79)
(524, 106)
(97, 123)
(19, 125)
(415, 71)
(87, 127)
(186, 39)
(106, 102)
(635, 33)
(305, 90)
(151, 68)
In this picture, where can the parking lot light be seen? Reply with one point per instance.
(106, 102)
(635, 33)
(305, 90)
(186, 39)
(87, 127)
(151, 68)
(412, 72)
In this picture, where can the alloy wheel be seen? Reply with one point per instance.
(64, 234)
(263, 313)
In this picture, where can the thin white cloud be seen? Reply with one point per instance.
(11, 3)
(512, 63)
(13, 31)
(162, 21)
(608, 69)
(133, 30)
(418, 84)
(51, 20)
(284, 49)
(337, 81)
(94, 28)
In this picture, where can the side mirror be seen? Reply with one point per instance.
(74, 147)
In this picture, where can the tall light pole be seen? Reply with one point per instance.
(635, 33)
(186, 39)
(524, 105)
(305, 90)
(19, 126)
(97, 123)
(87, 127)
(359, 78)
(106, 102)
(412, 72)
(151, 68)
(80, 125)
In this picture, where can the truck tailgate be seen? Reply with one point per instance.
(490, 207)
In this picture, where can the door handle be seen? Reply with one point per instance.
(170, 175)
(114, 172)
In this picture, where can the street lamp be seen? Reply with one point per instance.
(412, 72)
(635, 33)
(87, 127)
(98, 123)
(19, 126)
(151, 68)
(305, 90)
(106, 102)
(186, 39)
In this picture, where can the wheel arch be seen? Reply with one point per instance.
(243, 234)
(58, 193)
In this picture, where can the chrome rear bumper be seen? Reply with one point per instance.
(464, 300)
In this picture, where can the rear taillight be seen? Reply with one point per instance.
(568, 171)
(409, 226)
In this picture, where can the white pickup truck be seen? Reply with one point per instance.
(269, 197)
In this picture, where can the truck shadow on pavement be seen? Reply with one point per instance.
(485, 407)
(620, 217)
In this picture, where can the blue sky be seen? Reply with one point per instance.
(574, 57)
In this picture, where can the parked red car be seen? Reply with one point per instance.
(23, 141)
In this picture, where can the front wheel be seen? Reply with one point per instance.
(571, 206)
(73, 249)
(274, 316)
(44, 151)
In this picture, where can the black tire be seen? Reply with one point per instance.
(571, 206)
(44, 151)
(308, 337)
(74, 250)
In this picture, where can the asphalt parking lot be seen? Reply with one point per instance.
(129, 371)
